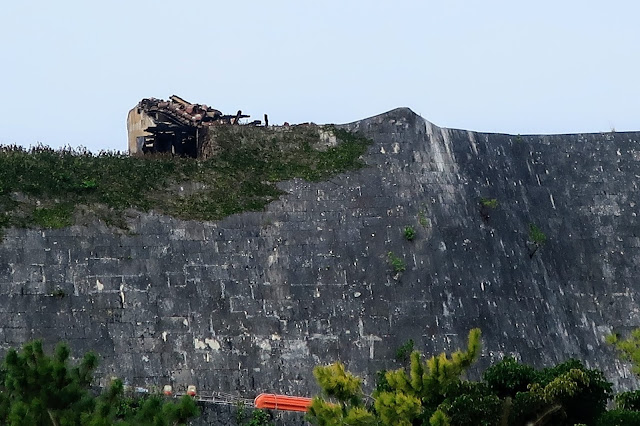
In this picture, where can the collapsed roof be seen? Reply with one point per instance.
(156, 125)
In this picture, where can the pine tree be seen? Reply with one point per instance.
(419, 393)
(41, 390)
(405, 397)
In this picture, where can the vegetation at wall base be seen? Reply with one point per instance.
(408, 397)
(258, 417)
(403, 352)
(434, 392)
(628, 348)
(47, 188)
(38, 389)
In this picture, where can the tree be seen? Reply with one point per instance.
(627, 411)
(628, 400)
(565, 394)
(628, 349)
(113, 407)
(432, 392)
(42, 390)
(402, 399)
(619, 418)
(508, 377)
(419, 393)
(472, 404)
(344, 387)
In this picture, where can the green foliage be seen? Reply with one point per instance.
(57, 216)
(89, 184)
(508, 377)
(241, 412)
(566, 394)
(409, 233)
(397, 264)
(427, 381)
(38, 389)
(260, 418)
(42, 187)
(324, 413)
(337, 383)
(628, 349)
(537, 238)
(561, 387)
(150, 410)
(398, 408)
(591, 398)
(486, 205)
(346, 389)
(381, 381)
(490, 203)
(471, 404)
(403, 352)
(627, 410)
(432, 392)
(360, 416)
(619, 418)
(400, 399)
(628, 400)
(536, 235)
(439, 419)
(423, 220)
(59, 293)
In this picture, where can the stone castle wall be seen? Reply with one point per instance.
(251, 303)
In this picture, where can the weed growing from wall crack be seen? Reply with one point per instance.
(409, 233)
(537, 238)
(58, 293)
(536, 235)
(260, 418)
(423, 220)
(397, 264)
(486, 205)
(490, 203)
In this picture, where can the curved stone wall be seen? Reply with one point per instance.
(251, 303)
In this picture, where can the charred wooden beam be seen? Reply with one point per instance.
(237, 117)
(179, 100)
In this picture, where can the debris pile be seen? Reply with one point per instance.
(175, 126)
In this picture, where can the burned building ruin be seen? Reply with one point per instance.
(174, 126)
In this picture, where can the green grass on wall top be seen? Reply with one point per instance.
(49, 188)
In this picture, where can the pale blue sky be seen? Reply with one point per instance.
(70, 70)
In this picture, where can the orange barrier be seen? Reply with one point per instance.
(282, 402)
